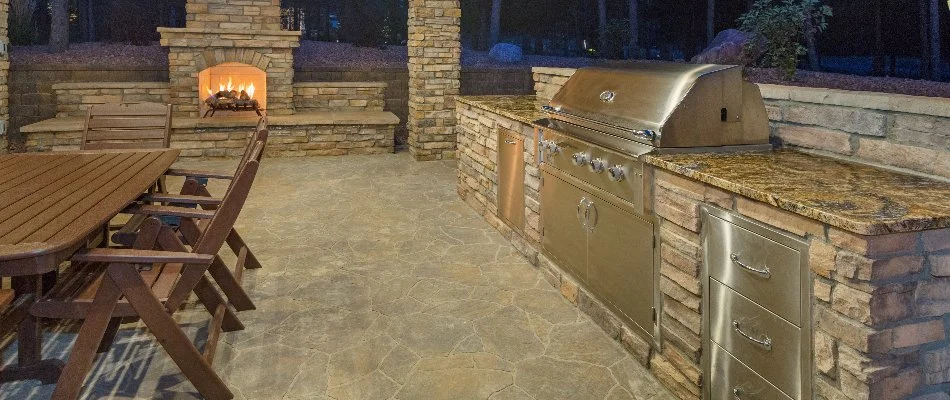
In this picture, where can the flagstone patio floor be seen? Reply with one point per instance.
(378, 283)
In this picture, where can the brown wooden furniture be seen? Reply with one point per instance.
(194, 194)
(127, 126)
(149, 281)
(51, 204)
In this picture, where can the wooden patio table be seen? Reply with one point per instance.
(51, 204)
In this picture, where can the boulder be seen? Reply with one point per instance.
(728, 47)
(505, 53)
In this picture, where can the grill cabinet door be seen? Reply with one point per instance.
(621, 262)
(511, 178)
(564, 239)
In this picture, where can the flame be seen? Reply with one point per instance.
(245, 87)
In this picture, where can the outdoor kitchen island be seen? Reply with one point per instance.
(874, 247)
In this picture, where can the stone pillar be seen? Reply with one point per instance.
(4, 76)
(434, 72)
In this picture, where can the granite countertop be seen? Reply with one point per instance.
(519, 108)
(854, 197)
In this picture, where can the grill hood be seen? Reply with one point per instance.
(668, 105)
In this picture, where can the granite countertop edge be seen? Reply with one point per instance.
(904, 225)
(491, 103)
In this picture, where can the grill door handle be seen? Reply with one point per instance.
(764, 271)
(580, 218)
(509, 141)
(765, 342)
(590, 214)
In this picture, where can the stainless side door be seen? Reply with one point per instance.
(562, 219)
(511, 178)
(621, 261)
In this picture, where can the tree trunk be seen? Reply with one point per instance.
(924, 38)
(602, 24)
(935, 66)
(878, 63)
(634, 28)
(59, 26)
(495, 23)
(710, 21)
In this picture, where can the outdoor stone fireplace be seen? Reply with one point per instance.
(241, 37)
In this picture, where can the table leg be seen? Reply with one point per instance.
(30, 364)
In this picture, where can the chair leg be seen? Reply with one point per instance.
(230, 286)
(235, 242)
(211, 299)
(168, 333)
(90, 336)
(108, 336)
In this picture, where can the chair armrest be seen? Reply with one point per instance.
(198, 174)
(133, 256)
(171, 211)
(179, 199)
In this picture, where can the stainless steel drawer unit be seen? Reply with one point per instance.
(757, 310)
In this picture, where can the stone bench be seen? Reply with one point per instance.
(301, 134)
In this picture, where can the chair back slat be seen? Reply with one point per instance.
(127, 126)
(216, 232)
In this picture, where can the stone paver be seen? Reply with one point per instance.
(378, 283)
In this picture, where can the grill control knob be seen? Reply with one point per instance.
(615, 173)
(580, 158)
(551, 147)
(597, 165)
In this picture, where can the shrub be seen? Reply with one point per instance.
(778, 30)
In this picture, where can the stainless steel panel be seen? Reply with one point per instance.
(763, 270)
(564, 236)
(630, 188)
(768, 344)
(621, 262)
(511, 178)
(730, 379)
(665, 104)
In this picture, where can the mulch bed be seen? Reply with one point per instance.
(341, 55)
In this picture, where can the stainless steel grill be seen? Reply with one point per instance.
(664, 105)
(596, 224)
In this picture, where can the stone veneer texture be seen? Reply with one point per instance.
(339, 96)
(909, 133)
(4, 77)
(298, 140)
(434, 73)
(220, 31)
(73, 99)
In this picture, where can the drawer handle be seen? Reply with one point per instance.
(766, 342)
(764, 271)
(737, 393)
(509, 141)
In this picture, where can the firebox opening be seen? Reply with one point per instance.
(232, 89)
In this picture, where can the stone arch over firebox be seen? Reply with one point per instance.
(211, 58)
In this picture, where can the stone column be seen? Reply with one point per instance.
(434, 72)
(4, 77)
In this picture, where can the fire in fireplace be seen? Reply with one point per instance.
(232, 88)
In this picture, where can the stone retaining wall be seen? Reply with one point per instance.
(33, 99)
(4, 77)
(290, 136)
(909, 133)
(339, 96)
(73, 99)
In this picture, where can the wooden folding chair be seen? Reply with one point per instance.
(127, 126)
(150, 281)
(195, 194)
